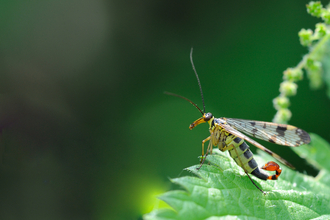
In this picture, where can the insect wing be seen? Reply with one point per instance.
(281, 134)
(236, 133)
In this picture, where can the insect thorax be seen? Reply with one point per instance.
(221, 138)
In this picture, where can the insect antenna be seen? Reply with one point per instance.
(199, 83)
(172, 94)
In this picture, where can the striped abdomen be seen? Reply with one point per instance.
(243, 156)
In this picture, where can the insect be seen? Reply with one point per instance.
(225, 133)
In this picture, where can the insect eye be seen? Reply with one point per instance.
(208, 116)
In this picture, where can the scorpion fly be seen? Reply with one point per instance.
(226, 134)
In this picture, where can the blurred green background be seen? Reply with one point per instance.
(87, 132)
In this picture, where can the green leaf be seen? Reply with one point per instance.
(221, 190)
(316, 153)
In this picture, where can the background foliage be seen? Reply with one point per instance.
(86, 130)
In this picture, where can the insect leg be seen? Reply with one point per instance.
(272, 166)
(203, 142)
(207, 151)
(248, 173)
(254, 182)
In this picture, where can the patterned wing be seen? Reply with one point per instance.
(286, 135)
(236, 133)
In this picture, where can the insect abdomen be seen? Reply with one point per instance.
(260, 174)
(243, 156)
